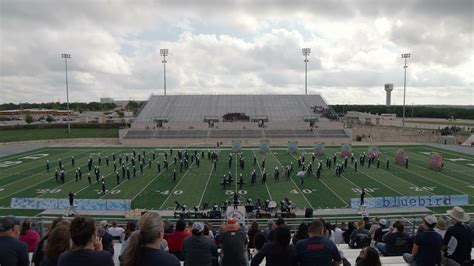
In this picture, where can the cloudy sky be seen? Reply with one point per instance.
(235, 47)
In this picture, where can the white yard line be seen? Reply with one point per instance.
(171, 193)
(433, 181)
(301, 192)
(258, 164)
(452, 178)
(149, 183)
(381, 183)
(337, 195)
(46, 180)
(207, 183)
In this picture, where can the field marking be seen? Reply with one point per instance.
(144, 167)
(46, 180)
(16, 156)
(26, 170)
(260, 169)
(403, 179)
(149, 183)
(235, 173)
(337, 195)
(452, 178)
(451, 188)
(73, 179)
(207, 183)
(356, 185)
(436, 149)
(171, 193)
(301, 192)
(383, 184)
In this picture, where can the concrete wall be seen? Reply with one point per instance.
(158, 142)
(392, 134)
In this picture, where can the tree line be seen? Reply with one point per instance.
(75, 106)
(410, 111)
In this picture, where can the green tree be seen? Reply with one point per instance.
(28, 119)
(50, 118)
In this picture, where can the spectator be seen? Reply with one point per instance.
(234, 244)
(360, 237)
(279, 251)
(380, 232)
(106, 237)
(427, 246)
(471, 225)
(374, 227)
(302, 233)
(39, 253)
(317, 250)
(116, 232)
(396, 241)
(144, 245)
(368, 256)
(347, 234)
(457, 240)
(252, 232)
(441, 227)
(189, 227)
(129, 229)
(367, 223)
(175, 240)
(87, 248)
(29, 236)
(270, 226)
(218, 237)
(199, 250)
(207, 232)
(59, 241)
(337, 236)
(259, 241)
(12, 251)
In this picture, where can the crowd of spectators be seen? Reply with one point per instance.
(153, 241)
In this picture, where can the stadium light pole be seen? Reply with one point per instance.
(405, 56)
(306, 52)
(66, 56)
(164, 53)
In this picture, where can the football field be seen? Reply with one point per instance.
(25, 175)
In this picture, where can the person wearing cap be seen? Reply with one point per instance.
(107, 238)
(234, 243)
(12, 251)
(197, 249)
(381, 231)
(427, 246)
(457, 242)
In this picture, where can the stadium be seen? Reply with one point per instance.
(231, 161)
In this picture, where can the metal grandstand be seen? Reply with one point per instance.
(196, 108)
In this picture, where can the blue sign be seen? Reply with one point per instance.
(412, 201)
(81, 204)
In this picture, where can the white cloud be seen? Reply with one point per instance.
(225, 47)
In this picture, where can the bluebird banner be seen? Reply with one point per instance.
(412, 201)
(81, 204)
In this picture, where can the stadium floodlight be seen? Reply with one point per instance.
(405, 56)
(66, 57)
(164, 53)
(306, 52)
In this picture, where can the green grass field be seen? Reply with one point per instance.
(195, 186)
(56, 133)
